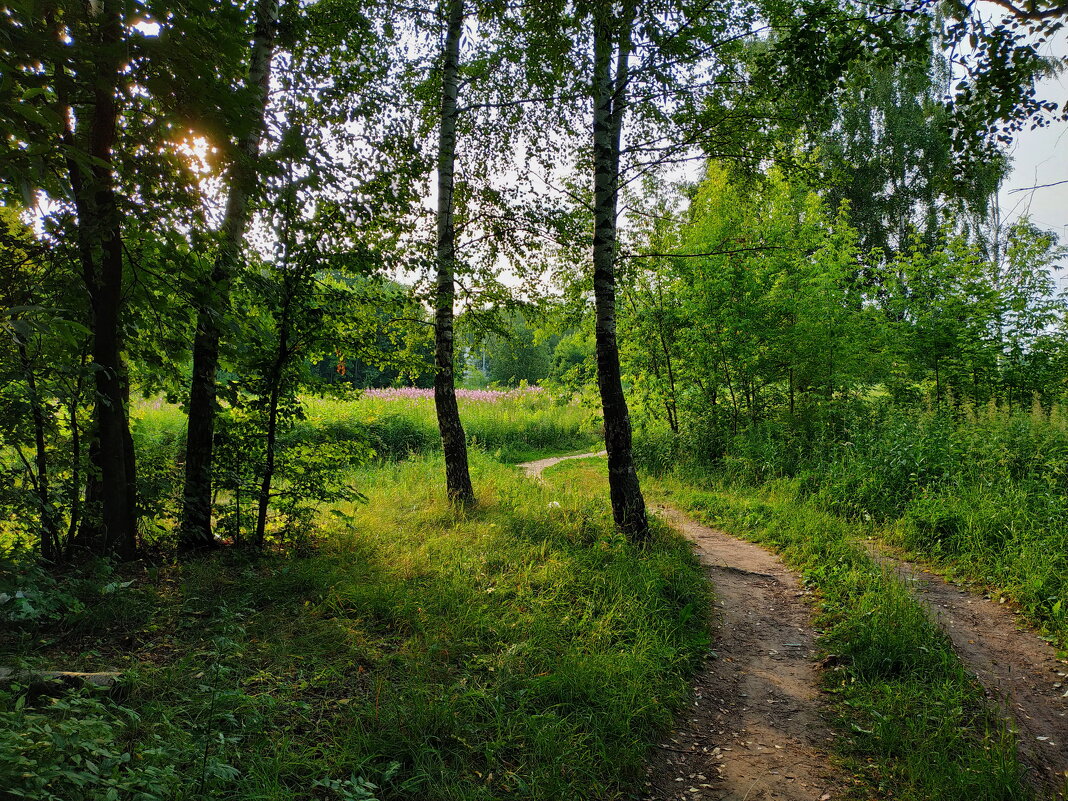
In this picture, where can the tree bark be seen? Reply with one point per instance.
(76, 460)
(453, 441)
(275, 378)
(628, 505)
(114, 527)
(195, 532)
(672, 402)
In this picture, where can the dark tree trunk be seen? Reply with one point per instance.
(76, 462)
(275, 379)
(672, 402)
(264, 500)
(628, 505)
(453, 442)
(113, 527)
(195, 532)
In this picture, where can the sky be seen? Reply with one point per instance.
(1041, 157)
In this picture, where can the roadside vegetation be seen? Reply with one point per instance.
(912, 723)
(980, 494)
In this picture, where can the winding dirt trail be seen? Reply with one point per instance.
(534, 469)
(1016, 668)
(755, 730)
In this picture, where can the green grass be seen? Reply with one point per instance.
(980, 493)
(981, 496)
(513, 429)
(518, 650)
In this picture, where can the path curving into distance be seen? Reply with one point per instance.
(755, 728)
(535, 469)
(1017, 669)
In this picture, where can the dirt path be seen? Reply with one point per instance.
(755, 730)
(1016, 667)
(534, 469)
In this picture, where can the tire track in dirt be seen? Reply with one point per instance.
(1017, 668)
(755, 730)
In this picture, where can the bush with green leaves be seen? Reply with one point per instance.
(80, 747)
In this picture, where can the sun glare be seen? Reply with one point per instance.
(147, 28)
(198, 152)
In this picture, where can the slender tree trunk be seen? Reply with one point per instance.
(268, 465)
(281, 357)
(628, 505)
(195, 532)
(938, 385)
(730, 389)
(453, 442)
(76, 462)
(50, 545)
(673, 406)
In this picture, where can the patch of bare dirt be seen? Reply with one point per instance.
(755, 730)
(1016, 667)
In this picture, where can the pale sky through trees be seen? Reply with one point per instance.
(1040, 157)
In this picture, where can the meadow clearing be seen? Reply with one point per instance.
(404, 647)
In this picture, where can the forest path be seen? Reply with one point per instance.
(534, 469)
(1016, 668)
(755, 730)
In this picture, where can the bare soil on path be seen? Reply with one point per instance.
(1016, 667)
(534, 469)
(755, 730)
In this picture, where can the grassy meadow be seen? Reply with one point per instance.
(405, 648)
(510, 426)
(520, 649)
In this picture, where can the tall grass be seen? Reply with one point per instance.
(512, 427)
(982, 492)
(378, 426)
